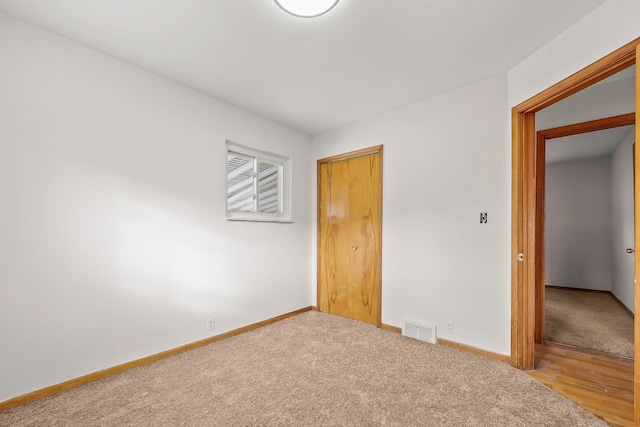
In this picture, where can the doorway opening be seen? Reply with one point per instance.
(584, 289)
(526, 234)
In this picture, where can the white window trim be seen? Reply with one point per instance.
(284, 185)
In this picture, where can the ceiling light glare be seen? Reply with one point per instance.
(306, 8)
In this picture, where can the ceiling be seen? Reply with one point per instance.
(363, 58)
(611, 97)
(587, 145)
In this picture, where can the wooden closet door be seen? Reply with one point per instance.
(349, 236)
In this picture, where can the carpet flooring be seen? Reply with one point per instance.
(313, 369)
(591, 320)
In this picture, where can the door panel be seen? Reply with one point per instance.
(334, 239)
(364, 210)
(349, 236)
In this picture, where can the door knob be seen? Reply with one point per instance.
(630, 251)
(354, 248)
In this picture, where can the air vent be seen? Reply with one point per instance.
(419, 330)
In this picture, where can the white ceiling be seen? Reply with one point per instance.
(363, 58)
(587, 145)
(627, 73)
(611, 97)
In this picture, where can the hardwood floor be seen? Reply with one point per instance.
(600, 383)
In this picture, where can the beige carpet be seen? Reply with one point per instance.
(592, 320)
(311, 370)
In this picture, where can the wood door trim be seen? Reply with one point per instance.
(377, 149)
(605, 67)
(542, 136)
(541, 148)
(523, 240)
(351, 154)
(524, 186)
(636, 186)
(590, 126)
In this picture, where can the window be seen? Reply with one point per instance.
(258, 187)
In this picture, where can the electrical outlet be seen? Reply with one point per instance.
(450, 329)
(211, 324)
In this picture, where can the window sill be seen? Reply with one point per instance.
(257, 219)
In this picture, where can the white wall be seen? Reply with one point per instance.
(113, 242)
(436, 264)
(596, 102)
(607, 28)
(446, 160)
(112, 239)
(622, 222)
(578, 223)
